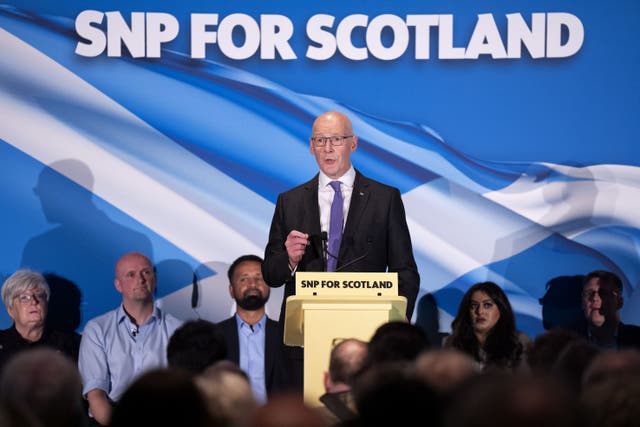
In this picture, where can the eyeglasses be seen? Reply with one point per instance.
(26, 299)
(603, 293)
(321, 141)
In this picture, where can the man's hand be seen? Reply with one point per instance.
(296, 244)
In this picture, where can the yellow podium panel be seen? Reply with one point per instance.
(319, 317)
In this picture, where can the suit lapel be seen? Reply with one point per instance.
(359, 200)
(269, 351)
(309, 203)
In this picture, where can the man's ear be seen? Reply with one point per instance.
(116, 282)
(327, 381)
(619, 301)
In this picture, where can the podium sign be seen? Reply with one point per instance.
(330, 307)
(347, 284)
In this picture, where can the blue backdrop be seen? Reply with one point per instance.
(519, 169)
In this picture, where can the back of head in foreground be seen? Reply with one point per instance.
(396, 341)
(391, 393)
(346, 360)
(500, 399)
(544, 350)
(47, 384)
(162, 397)
(445, 369)
(227, 392)
(196, 345)
(612, 401)
(285, 410)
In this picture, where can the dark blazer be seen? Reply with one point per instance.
(628, 336)
(375, 238)
(275, 373)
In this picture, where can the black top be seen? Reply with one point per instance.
(11, 342)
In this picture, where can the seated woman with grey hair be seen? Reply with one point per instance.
(25, 294)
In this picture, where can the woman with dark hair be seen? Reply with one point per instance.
(485, 328)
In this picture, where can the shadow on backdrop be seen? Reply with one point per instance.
(562, 304)
(428, 319)
(64, 304)
(84, 244)
(174, 274)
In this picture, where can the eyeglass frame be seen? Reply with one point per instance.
(588, 295)
(25, 299)
(336, 140)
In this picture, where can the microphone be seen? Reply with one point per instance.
(134, 331)
(349, 241)
(353, 261)
(325, 250)
(318, 243)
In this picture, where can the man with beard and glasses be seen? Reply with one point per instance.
(254, 341)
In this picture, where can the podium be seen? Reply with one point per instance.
(330, 307)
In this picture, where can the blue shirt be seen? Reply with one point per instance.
(113, 352)
(252, 355)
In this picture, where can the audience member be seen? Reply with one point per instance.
(227, 392)
(162, 397)
(485, 328)
(285, 410)
(25, 295)
(545, 348)
(601, 301)
(610, 364)
(254, 341)
(497, 399)
(392, 394)
(14, 417)
(612, 402)
(446, 369)
(346, 361)
(120, 345)
(572, 363)
(396, 341)
(196, 345)
(44, 383)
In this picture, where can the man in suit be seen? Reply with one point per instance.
(254, 341)
(601, 302)
(375, 236)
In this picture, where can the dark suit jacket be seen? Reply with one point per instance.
(376, 232)
(628, 336)
(275, 373)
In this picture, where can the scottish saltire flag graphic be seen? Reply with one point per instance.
(184, 159)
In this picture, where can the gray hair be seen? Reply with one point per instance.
(21, 281)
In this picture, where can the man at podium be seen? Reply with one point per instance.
(340, 220)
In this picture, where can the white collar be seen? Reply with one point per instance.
(348, 179)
